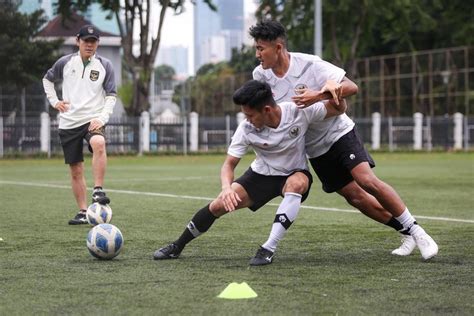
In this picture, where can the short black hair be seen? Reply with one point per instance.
(254, 94)
(268, 30)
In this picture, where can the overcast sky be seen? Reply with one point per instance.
(178, 29)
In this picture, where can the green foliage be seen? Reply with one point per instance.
(23, 59)
(125, 92)
(164, 72)
(243, 59)
(212, 89)
(214, 84)
(330, 262)
(360, 28)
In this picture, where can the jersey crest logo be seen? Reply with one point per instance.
(294, 132)
(300, 86)
(94, 75)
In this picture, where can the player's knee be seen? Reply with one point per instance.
(77, 171)
(216, 207)
(370, 183)
(98, 144)
(299, 186)
(354, 197)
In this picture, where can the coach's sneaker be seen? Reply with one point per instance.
(79, 219)
(262, 257)
(98, 195)
(425, 243)
(407, 247)
(169, 252)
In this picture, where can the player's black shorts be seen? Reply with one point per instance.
(262, 189)
(334, 167)
(72, 141)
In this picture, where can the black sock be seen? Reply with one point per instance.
(98, 188)
(397, 226)
(199, 224)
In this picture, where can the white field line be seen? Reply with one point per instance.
(190, 197)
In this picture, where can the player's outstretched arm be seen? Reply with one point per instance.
(228, 196)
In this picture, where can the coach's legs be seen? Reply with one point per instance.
(99, 159)
(296, 185)
(78, 184)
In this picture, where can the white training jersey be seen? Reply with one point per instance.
(309, 71)
(280, 151)
(90, 89)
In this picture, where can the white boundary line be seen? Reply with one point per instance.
(190, 197)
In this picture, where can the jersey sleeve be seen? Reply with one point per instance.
(327, 71)
(109, 80)
(256, 74)
(55, 73)
(316, 112)
(239, 145)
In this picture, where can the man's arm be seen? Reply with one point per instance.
(228, 196)
(335, 109)
(331, 90)
(61, 106)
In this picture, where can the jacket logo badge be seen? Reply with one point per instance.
(94, 75)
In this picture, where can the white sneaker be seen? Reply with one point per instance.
(407, 247)
(426, 244)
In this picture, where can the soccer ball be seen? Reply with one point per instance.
(104, 241)
(98, 214)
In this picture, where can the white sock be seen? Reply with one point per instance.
(408, 222)
(285, 215)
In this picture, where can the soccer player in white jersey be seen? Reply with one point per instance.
(276, 134)
(335, 150)
(88, 99)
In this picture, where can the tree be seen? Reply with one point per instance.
(134, 16)
(360, 28)
(243, 60)
(23, 60)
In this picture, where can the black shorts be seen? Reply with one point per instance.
(262, 189)
(334, 167)
(72, 141)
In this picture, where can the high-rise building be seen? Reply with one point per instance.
(211, 28)
(174, 56)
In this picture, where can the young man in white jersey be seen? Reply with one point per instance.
(336, 152)
(276, 134)
(88, 99)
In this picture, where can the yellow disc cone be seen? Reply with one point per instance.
(237, 291)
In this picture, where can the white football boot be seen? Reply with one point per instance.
(407, 247)
(425, 243)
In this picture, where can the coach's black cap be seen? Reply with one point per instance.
(88, 31)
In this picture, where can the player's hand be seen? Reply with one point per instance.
(230, 199)
(306, 97)
(334, 88)
(95, 124)
(62, 106)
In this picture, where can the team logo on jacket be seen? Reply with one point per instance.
(94, 75)
(294, 132)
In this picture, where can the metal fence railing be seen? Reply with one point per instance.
(23, 135)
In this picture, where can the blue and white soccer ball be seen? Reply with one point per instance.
(104, 241)
(98, 214)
